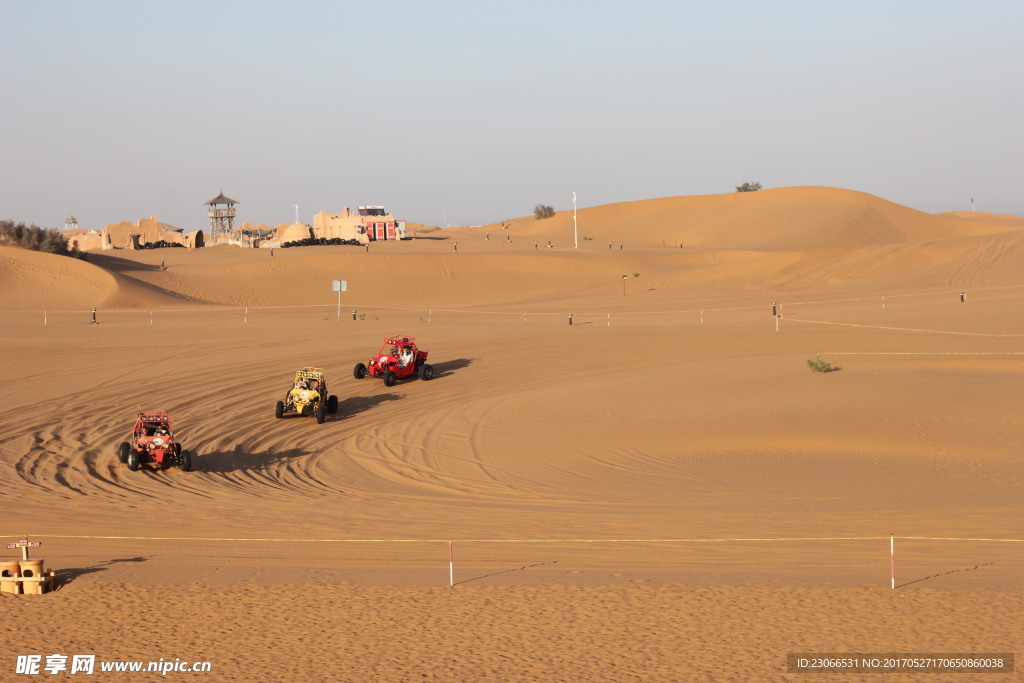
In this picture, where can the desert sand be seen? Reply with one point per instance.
(660, 491)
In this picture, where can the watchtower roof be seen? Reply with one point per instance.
(221, 199)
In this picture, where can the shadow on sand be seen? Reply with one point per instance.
(242, 459)
(445, 368)
(951, 571)
(350, 407)
(507, 571)
(120, 265)
(62, 577)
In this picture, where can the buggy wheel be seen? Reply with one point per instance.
(359, 371)
(389, 378)
(279, 409)
(185, 461)
(426, 371)
(332, 404)
(134, 459)
(321, 414)
(122, 451)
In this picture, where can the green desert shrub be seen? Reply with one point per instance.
(818, 365)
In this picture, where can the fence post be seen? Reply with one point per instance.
(892, 561)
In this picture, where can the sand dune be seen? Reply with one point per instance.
(34, 281)
(601, 482)
(796, 218)
(775, 241)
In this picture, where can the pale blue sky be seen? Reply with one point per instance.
(473, 112)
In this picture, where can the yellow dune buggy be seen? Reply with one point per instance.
(308, 395)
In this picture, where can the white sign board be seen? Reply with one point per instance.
(339, 285)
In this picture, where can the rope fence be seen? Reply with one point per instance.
(741, 539)
(362, 311)
(890, 561)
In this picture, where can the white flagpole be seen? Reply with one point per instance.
(575, 234)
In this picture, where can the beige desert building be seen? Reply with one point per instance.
(366, 224)
(132, 235)
(84, 240)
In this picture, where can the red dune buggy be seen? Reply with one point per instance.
(152, 441)
(398, 358)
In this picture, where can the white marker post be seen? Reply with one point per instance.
(451, 565)
(246, 318)
(44, 317)
(339, 286)
(575, 234)
(892, 561)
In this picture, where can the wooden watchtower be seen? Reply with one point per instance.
(222, 220)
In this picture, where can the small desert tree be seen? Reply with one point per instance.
(35, 238)
(543, 211)
(748, 187)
